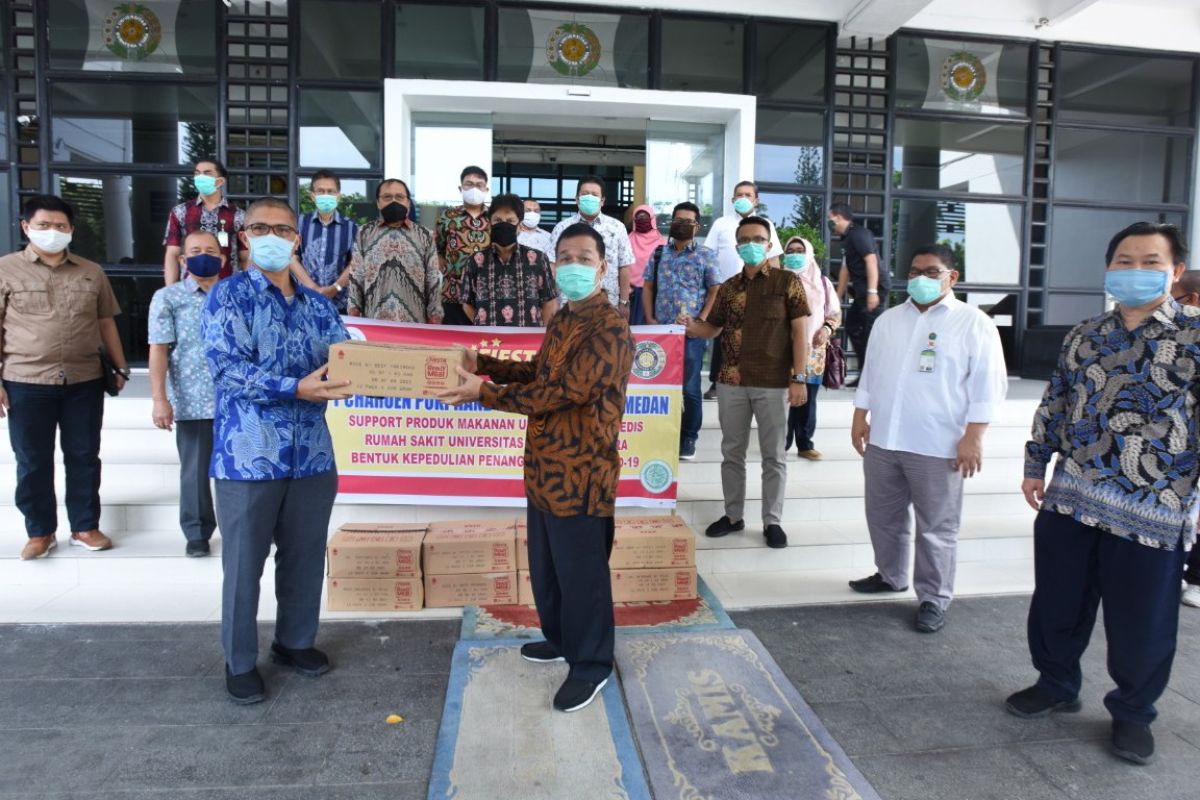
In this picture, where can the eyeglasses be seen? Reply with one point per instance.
(393, 198)
(474, 184)
(326, 191)
(690, 223)
(262, 229)
(932, 272)
(755, 240)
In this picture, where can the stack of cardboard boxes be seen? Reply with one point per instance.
(375, 567)
(471, 563)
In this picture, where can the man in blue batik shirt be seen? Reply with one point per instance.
(267, 341)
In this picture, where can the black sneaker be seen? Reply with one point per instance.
(541, 653)
(1032, 703)
(775, 536)
(711, 394)
(930, 618)
(1133, 742)
(245, 689)
(310, 661)
(576, 694)
(874, 585)
(198, 548)
(687, 451)
(723, 527)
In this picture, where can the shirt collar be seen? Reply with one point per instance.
(200, 201)
(336, 219)
(947, 302)
(261, 282)
(690, 248)
(34, 258)
(765, 269)
(596, 301)
(1164, 315)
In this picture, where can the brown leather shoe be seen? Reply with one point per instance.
(92, 540)
(38, 547)
(811, 455)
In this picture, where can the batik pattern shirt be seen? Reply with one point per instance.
(259, 347)
(1120, 413)
(681, 279)
(175, 314)
(755, 317)
(225, 222)
(508, 293)
(574, 395)
(537, 238)
(394, 274)
(617, 248)
(460, 236)
(325, 249)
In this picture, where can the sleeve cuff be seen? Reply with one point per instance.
(862, 399)
(980, 413)
(287, 388)
(487, 394)
(1035, 470)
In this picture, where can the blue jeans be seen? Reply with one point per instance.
(693, 398)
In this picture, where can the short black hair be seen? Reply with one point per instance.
(939, 251)
(686, 206)
(48, 202)
(385, 181)
(326, 175)
(740, 184)
(753, 220)
(842, 210)
(596, 179)
(224, 173)
(472, 170)
(511, 202)
(1179, 250)
(577, 230)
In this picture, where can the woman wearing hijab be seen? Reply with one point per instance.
(645, 239)
(822, 324)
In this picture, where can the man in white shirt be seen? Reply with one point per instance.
(529, 234)
(933, 380)
(590, 196)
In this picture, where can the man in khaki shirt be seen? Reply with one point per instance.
(56, 310)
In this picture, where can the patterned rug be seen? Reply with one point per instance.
(705, 613)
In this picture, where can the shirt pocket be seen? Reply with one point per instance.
(83, 298)
(31, 300)
(773, 307)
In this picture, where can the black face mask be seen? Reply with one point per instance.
(682, 232)
(504, 233)
(394, 212)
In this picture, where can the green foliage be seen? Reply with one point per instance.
(355, 206)
(814, 233)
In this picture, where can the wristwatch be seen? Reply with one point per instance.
(624, 302)
(800, 377)
(872, 291)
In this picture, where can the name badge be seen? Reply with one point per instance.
(223, 239)
(928, 361)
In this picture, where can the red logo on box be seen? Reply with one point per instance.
(679, 548)
(341, 354)
(404, 560)
(683, 581)
(403, 592)
(502, 585)
(436, 369)
(500, 554)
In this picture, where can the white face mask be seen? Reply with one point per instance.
(531, 219)
(474, 197)
(49, 241)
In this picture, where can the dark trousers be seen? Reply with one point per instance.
(1076, 567)
(568, 567)
(294, 514)
(1192, 573)
(802, 422)
(76, 411)
(637, 314)
(194, 440)
(453, 314)
(693, 394)
(714, 363)
(859, 322)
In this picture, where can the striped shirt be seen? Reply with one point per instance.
(325, 249)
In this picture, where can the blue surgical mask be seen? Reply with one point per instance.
(205, 184)
(1136, 287)
(924, 290)
(576, 281)
(270, 252)
(203, 265)
(743, 205)
(326, 203)
(795, 260)
(752, 253)
(589, 204)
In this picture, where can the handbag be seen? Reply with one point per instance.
(835, 365)
(110, 372)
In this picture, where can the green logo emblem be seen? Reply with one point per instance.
(963, 77)
(656, 476)
(573, 50)
(132, 31)
(649, 360)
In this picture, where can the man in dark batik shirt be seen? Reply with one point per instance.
(508, 283)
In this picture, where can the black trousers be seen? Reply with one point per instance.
(568, 567)
(453, 314)
(859, 322)
(76, 412)
(1192, 573)
(1076, 567)
(802, 422)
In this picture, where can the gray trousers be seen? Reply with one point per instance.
(294, 514)
(895, 480)
(194, 440)
(736, 407)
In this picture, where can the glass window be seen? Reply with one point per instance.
(339, 39)
(442, 146)
(971, 77)
(340, 128)
(444, 41)
(985, 237)
(550, 46)
(702, 55)
(120, 219)
(790, 63)
(148, 36)
(1121, 167)
(7, 216)
(794, 214)
(357, 200)
(1071, 309)
(960, 157)
(684, 161)
(132, 122)
(789, 147)
(1124, 89)
(1079, 238)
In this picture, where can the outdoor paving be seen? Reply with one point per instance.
(138, 711)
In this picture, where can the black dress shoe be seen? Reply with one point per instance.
(874, 585)
(245, 689)
(541, 653)
(723, 527)
(711, 394)
(1132, 741)
(930, 618)
(310, 661)
(775, 536)
(1032, 703)
(576, 694)
(198, 548)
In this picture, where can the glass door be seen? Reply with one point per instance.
(442, 145)
(685, 161)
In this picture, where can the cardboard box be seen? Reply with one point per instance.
(640, 543)
(524, 588)
(383, 369)
(382, 550)
(453, 591)
(522, 546)
(644, 585)
(471, 546)
(374, 594)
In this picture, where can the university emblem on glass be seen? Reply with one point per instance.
(963, 77)
(649, 360)
(656, 476)
(132, 31)
(573, 50)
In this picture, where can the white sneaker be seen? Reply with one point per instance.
(1191, 595)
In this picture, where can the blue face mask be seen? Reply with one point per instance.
(326, 203)
(203, 265)
(589, 204)
(743, 205)
(205, 184)
(1136, 287)
(576, 281)
(752, 253)
(924, 290)
(270, 252)
(795, 261)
